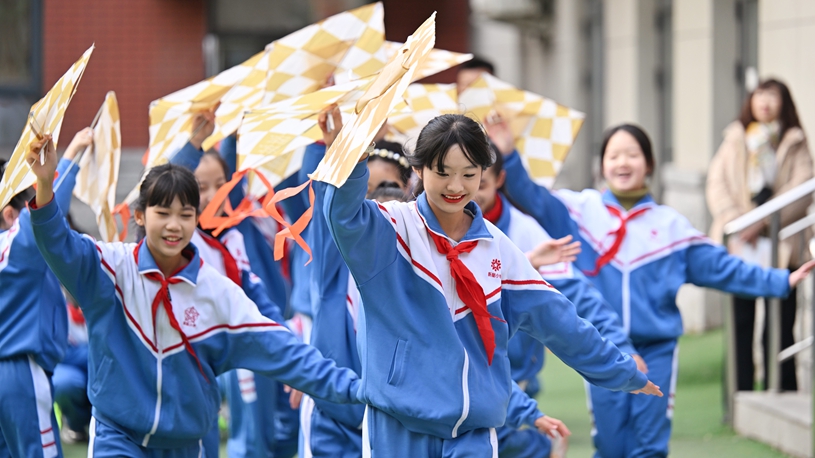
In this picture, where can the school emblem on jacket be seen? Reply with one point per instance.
(190, 315)
(496, 268)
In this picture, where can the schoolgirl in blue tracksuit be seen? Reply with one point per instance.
(255, 403)
(438, 306)
(158, 340)
(33, 326)
(526, 355)
(638, 254)
(329, 429)
(249, 435)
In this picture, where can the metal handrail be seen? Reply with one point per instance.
(771, 206)
(770, 209)
(794, 349)
(797, 227)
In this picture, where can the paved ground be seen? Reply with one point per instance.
(698, 431)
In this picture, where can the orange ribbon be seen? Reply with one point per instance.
(210, 219)
(123, 210)
(291, 231)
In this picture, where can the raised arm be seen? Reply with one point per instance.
(532, 305)
(365, 238)
(549, 211)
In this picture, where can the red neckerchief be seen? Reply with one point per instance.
(619, 235)
(496, 210)
(163, 297)
(468, 289)
(230, 265)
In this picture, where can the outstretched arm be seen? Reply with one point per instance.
(264, 346)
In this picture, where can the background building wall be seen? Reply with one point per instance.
(144, 49)
(785, 41)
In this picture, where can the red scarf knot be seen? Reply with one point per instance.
(468, 289)
(163, 297)
(619, 236)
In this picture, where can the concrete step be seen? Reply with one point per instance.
(782, 420)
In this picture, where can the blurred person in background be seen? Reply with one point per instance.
(764, 154)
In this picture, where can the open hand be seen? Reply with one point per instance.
(650, 389)
(81, 140)
(499, 132)
(799, 275)
(550, 426)
(554, 251)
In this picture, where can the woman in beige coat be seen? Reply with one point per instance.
(764, 154)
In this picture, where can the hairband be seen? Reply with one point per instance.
(396, 157)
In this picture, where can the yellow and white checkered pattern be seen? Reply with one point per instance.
(99, 169)
(298, 64)
(48, 113)
(272, 139)
(171, 116)
(438, 60)
(424, 102)
(373, 108)
(544, 130)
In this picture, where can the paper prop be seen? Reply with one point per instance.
(46, 115)
(423, 103)
(271, 146)
(374, 106)
(544, 130)
(99, 170)
(171, 116)
(300, 63)
(272, 138)
(371, 110)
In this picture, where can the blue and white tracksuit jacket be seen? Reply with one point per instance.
(661, 252)
(334, 306)
(423, 362)
(525, 353)
(33, 317)
(253, 234)
(169, 403)
(33, 336)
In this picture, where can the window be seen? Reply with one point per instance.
(20, 47)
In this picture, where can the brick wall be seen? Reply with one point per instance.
(452, 25)
(144, 49)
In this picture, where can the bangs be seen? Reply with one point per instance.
(445, 131)
(165, 183)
